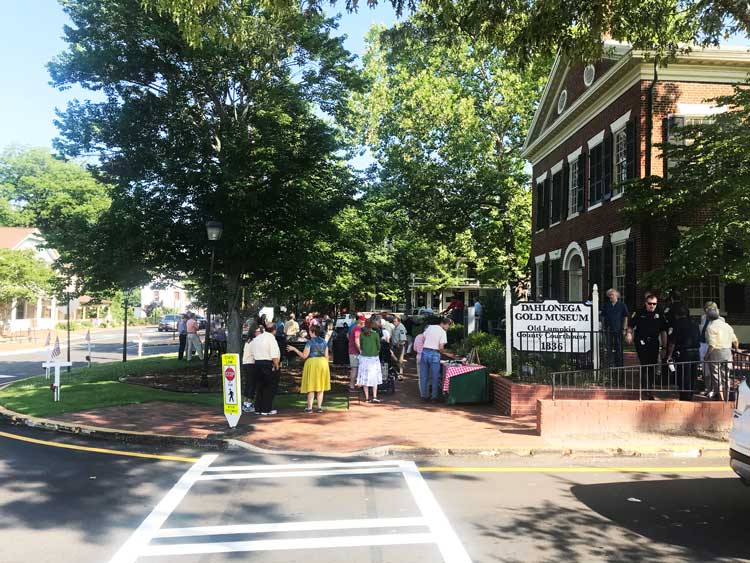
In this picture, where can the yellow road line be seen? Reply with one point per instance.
(687, 469)
(706, 469)
(98, 450)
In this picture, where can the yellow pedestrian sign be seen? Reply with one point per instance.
(230, 376)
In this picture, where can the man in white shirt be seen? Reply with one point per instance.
(398, 343)
(266, 354)
(435, 339)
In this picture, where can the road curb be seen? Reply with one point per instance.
(126, 436)
(225, 442)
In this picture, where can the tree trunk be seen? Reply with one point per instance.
(234, 326)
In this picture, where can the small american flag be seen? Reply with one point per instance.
(49, 340)
(56, 350)
(88, 336)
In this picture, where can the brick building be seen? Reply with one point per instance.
(596, 127)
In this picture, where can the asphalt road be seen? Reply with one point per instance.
(71, 505)
(106, 346)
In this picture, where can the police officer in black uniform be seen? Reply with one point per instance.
(648, 331)
(684, 343)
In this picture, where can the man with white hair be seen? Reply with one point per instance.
(614, 315)
(721, 339)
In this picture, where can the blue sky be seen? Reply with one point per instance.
(31, 35)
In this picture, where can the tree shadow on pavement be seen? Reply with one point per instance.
(638, 520)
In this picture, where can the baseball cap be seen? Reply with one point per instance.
(361, 317)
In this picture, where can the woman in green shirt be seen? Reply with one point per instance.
(369, 373)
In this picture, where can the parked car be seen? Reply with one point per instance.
(202, 323)
(739, 437)
(168, 323)
(347, 319)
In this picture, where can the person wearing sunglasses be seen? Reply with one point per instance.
(648, 330)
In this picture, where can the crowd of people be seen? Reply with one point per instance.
(373, 347)
(669, 334)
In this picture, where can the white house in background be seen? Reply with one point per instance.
(168, 296)
(21, 316)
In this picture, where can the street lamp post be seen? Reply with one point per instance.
(125, 331)
(68, 312)
(214, 230)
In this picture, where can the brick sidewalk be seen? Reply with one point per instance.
(400, 420)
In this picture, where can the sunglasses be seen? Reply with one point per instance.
(651, 303)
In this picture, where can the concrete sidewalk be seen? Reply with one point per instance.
(401, 422)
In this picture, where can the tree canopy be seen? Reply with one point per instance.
(704, 199)
(445, 124)
(232, 131)
(23, 275)
(523, 29)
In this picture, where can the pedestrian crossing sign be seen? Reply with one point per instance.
(230, 371)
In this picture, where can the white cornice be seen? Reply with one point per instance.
(575, 154)
(556, 168)
(620, 122)
(718, 66)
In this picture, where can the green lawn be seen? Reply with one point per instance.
(98, 386)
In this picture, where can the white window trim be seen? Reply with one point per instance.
(554, 224)
(574, 249)
(555, 254)
(539, 259)
(699, 109)
(542, 178)
(575, 154)
(618, 195)
(620, 122)
(619, 236)
(573, 215)
(556, 168)
(595, 206)
(595, 243)
(597, 139)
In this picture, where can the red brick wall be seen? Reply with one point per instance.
(560, 418)
(575, 86)
(650, 243)
(518, 399)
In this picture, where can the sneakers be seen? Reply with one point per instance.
(308, 410)
(375, 400)
(247, 406)
(270, 413)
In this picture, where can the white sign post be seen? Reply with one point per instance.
(56, 365)
(88, 343)
(231, 384)
(48, 345)
(140, 342)
(508, 332)
(552, 326)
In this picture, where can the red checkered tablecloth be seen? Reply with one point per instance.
(452, 371)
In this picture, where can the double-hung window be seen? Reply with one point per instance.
(539, 289)
(619, 265)
(621, 160)
(573, 187)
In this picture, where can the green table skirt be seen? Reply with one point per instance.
(471, 387)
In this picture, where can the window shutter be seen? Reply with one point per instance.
(631, 299)
(556, 279)
(565, 190)
(547, 197)
(595, 268)
(533, 281)
(545, 282)
(540, 206)
(607, 169)
(581, 187)
(556, 195)
(630, 133)
(606, 270)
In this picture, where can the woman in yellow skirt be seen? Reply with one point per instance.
(316, 375)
